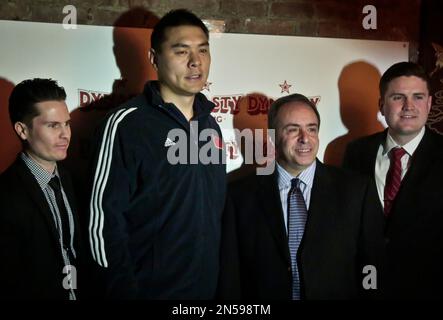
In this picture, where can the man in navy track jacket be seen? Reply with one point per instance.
(159, 177)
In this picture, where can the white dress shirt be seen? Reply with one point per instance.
(382, 161)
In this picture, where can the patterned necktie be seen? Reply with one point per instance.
(54, 183)
(296, 225)
(393, 178)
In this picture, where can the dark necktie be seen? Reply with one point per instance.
(54, 183)
(296, 226)
(393, 178)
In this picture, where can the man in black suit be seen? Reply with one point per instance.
(294, 240)
(38, 229)
(409, 205)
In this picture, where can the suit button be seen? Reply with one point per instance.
(289, 269)
(387, 240)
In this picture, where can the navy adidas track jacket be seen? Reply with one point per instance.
(155, 226)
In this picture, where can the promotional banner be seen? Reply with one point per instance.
(100, 67)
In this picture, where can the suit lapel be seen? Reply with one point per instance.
(37, 196)
(270, 199)
(369, 157)
(322, 198)
(371, 151)
(70, 194)
(403, 215)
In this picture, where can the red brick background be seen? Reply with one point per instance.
(397, 20)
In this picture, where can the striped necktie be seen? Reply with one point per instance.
(296, 225)
(393, 178)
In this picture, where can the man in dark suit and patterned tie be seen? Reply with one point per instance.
(294, 234)
(39, 239)
(405, 164)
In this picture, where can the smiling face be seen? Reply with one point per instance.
(296, 137)
(406, 105)
(183, 63)
(49, 135)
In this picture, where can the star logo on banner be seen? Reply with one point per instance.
(206, 86)
(285, 87)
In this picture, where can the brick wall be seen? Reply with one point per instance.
(397, 20)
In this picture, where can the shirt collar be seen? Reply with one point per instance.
(306, 176)
(409, 147)
(41, 175)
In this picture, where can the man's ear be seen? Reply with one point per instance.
(429, 103)
(21, 129)
(153, 58)
(380, 105)
(271, 137)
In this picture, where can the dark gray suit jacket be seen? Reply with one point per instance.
(255, 253)
(31, 262)
(410, 252)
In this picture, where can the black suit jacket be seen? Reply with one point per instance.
(31, 264)
(255, 261)
(410, 250)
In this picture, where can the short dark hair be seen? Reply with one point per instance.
(277, 104)
(27, 93)
(174, 18)
(400, 69)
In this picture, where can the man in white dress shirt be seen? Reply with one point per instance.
(405, 163)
